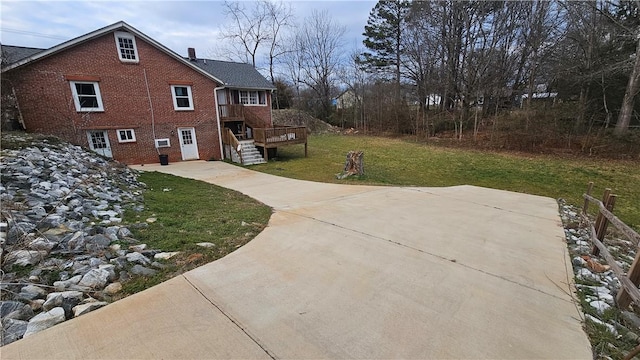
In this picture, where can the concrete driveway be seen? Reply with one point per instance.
(352, 272)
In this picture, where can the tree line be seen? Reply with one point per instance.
(426, 65)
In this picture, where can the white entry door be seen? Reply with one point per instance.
(188, 144)
(99, 142)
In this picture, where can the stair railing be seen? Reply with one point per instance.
(234, 143)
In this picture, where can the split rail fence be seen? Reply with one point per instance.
(629, 292)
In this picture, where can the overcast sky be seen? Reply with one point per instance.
(176, 24)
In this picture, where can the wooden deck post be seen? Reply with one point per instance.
(305, 149)
(586, 201)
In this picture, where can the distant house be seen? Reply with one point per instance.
(128, 97)
(346, 100)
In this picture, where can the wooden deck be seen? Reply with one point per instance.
(263, 136)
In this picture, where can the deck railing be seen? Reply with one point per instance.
(229, 138)
(282, 135)
(231, 111)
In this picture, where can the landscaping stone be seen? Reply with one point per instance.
(88, 307)
(62, 206)
(12, 330)
(44, 321)
(112, 288)
(32, 292)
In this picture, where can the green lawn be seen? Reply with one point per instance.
(188, 212)
(400, 162)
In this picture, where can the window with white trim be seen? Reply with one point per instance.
(182, 98)
(86, 96)
(126, 135)
(252, 97)
(126, 44)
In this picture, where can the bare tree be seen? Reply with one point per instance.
(256, 25)
(316, 56)
(280, 18)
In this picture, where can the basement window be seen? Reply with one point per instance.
(126, 44)
(126, 135)
(86, 96)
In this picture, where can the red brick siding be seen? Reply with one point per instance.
(47, 105)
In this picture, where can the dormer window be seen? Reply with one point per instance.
(126, 44)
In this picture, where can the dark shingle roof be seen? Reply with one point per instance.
(12, 54)
(236, 75)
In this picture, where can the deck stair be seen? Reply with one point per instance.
(250, 154)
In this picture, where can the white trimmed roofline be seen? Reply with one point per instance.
(121, 25)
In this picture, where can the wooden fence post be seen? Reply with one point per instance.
(599, 219)
(611, 202)
(623, 299)
(586, 201)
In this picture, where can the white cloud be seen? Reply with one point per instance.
(176, 24)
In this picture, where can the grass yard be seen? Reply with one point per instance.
(188, 212)
(401, 162)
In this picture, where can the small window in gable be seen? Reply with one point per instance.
(126, 135)
(86, 96)
(126, 44)
(182, 98)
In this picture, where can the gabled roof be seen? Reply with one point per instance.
(12, 54)
(122, 26)
(235, 75)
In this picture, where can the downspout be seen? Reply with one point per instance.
(271, 109)
(153, 119)
(215, 101)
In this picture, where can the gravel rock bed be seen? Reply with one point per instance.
(64, 250)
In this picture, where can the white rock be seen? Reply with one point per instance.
(600, 306)
(136, 257)
(85, 308)
(25, 257)
(165, 255)
(55, 299)
(585, 274)
(95, 278)
(206, 244)
(44, 321)
(579, 261)
(609, 327)
(42, 244)
(61, 285)
(138, 248)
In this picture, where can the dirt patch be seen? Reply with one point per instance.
(291, 117)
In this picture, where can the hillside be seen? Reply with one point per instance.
(291, 117)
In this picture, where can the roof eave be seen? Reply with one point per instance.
(249, 87)
(102, 31)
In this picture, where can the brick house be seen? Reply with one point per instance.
(126, 96)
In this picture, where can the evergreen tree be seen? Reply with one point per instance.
(383, 36)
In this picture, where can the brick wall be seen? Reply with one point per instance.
(47, 106)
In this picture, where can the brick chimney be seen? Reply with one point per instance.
(192, 53)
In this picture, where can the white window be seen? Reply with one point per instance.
(161, 143)
(126, 135)
(86, 96)
(126, 44)
(252, 97)
(182, 98)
